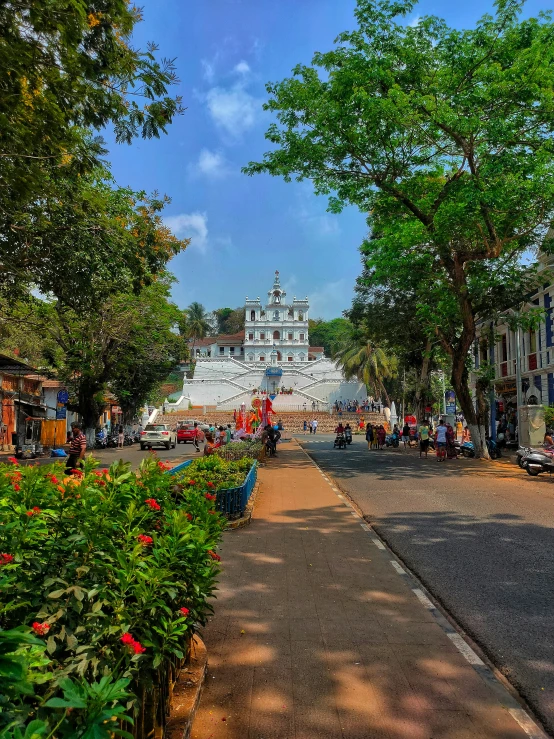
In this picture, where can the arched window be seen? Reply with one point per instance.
(276, 315)
(252, 315)
(300, 316)
(301, 357)
(276, 335)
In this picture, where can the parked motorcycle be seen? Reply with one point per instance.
(538, 461)
(392, 440)
(100, 441)
(524, 452)
(468, 450)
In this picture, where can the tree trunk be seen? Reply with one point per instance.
(460, 383)
(420, 400)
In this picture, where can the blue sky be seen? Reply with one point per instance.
(243, 228)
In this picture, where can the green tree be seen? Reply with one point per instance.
(197, 323)
(328, 334)
(444, 138)
(368, 363)
(87, 238)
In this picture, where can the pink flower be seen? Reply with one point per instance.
(184, 611)
(6, 559)
(145, 540)
(41, 629)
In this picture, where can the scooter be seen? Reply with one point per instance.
(524, 452)
(348, 436)
(340, 442)
(537, 462)
(392, 440)
(468, 450)
(100, 441)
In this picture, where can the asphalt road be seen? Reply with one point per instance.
(132, 454)
(479, 535)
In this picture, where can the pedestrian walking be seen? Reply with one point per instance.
(120, 437)
(311, 427)
(381, 436)
(195, 435)
(423, 439)
(406, 435)
(440, 441)
(314, 423)
(228, 433)
(305, 426)
(77, 449)
(369, 436)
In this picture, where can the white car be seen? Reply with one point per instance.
(158, 434)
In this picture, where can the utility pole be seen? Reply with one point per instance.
(519, 394)
(492, 394)
(443, 394)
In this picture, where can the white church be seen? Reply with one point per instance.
(273, 356)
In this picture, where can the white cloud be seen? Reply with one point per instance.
(242, 67)
(415, 21)
(208, 69)
(193, 226)
(331, 299)
(233, 109)
(210, 164)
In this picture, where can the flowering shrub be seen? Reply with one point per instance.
(221, 473)
(110, 572)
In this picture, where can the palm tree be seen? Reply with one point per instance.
(359, 358)
(196, 323)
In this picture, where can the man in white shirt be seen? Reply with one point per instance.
(314, 425)
(440, 441)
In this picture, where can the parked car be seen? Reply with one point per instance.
(158, 434)
(185, 433)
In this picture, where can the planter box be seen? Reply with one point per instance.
(231, 502)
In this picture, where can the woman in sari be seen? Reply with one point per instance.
(451, 452)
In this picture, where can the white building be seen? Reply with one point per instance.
(272, 355)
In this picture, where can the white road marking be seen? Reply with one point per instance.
(527, 723)
(380, 545)
(365, 527)
(423, 598)
(465, 649)
(396, 566)
(339, 495)
(353, 513)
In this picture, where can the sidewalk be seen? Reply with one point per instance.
(317, 635)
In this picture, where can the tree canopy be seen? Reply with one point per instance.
(328, 334)
(444, 138)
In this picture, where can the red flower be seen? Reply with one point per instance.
(15, 476)
(104, 471)
(210, 497)
(35, 511)
(153, 504)
(189, 516)
(102, 483)
(41, 629)
(214, 556)
(212, 513)
(78, 473)
(132, 643)
(13, 460)
(98, 473)
(184, 611)
(5, 559)
(16, 486)
(210, 484)
(145, 540)
(192, 482)
(54, 479)
(164, 466)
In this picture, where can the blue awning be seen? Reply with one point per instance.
(273, 372)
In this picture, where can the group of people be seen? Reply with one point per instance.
(312, 425)
(375, 436)
(354, 406)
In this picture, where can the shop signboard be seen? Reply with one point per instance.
(63, 396)
(450, 402)
(61, 412)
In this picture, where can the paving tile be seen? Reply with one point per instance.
(340, 649)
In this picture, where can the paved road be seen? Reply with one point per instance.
(132, 454)
(479, 535)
